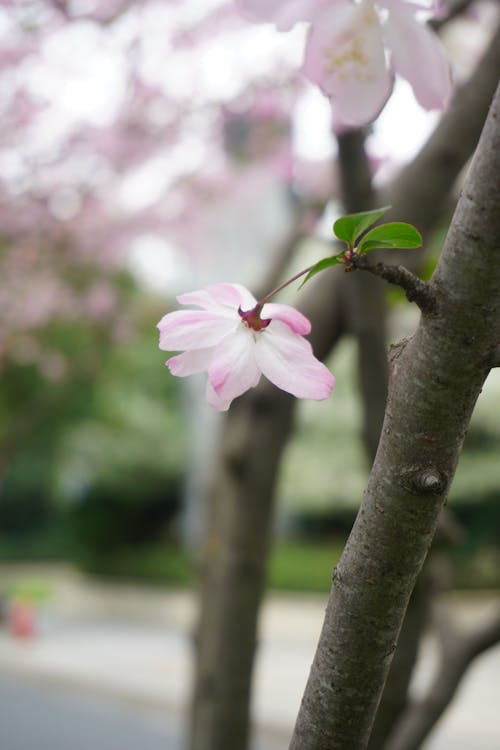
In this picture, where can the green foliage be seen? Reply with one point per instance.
(104, 441)
(132, 510)
(302, 566)
(321, 265)
(394, 235)
(350, 227)
(163, 564)
(28, 590)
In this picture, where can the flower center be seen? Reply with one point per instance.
(252, 318)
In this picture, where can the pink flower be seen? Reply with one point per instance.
(354, 49)
(234, 340)
(346, 56)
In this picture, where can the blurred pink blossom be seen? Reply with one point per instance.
(355, 48)
(101, 300)
(235, 340)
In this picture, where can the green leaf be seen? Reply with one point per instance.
(333, 260)
(396, 234)
(350, 227)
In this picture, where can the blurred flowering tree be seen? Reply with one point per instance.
(121, 144)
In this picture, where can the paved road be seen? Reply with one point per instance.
(110, 663)
(36, 717)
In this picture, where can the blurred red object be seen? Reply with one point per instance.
(22, 620)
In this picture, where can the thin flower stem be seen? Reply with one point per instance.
(285, 284)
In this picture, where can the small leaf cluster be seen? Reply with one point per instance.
(354, 230)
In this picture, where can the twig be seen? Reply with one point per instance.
(416, 290)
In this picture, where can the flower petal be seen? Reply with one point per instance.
(294, 319)
(215, 401)
(286, 359)
(233, 369)
(232, 295)
(194, 329)
(190, 362)
(200, 298)
(283, 13)
(418, 56)
(345, 57)
(219, 296)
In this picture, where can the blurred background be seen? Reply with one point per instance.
(149, 148)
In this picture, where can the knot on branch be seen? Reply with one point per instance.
(429, 481)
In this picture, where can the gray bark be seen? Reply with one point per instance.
(436, 377)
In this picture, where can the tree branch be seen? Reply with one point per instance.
(416, 290)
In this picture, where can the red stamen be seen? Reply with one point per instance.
(252, 318)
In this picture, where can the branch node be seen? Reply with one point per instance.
(430, 481)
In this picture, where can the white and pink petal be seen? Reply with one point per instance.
(214, 400)
(283, 13)
(345, 56)
(194, 329)
(221, 298)
(418, 56)
(190, 362)
(232, 295)
(287, 360)
(233, 369)
(294, 319)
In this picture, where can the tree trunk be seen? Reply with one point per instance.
(436, 377)
(233, 572)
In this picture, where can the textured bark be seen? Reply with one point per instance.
(458, 651)
(436, 377)
(394, 699)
